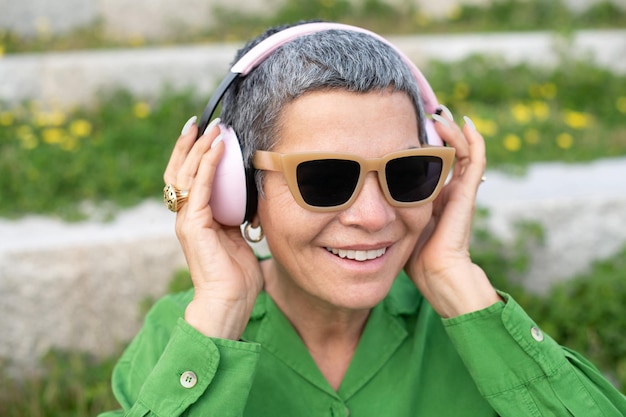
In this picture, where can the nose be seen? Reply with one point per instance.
(370, 210)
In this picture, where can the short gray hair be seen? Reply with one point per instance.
(326, 60)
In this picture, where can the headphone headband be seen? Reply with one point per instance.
(266, 47)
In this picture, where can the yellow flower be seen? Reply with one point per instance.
(461, 91)
(564, 141)
(141, 110)
(548, 90)
(29, 142)
(485, 127)
(23, 130)
(6, 118)
(1, 51)
(53, 135)
(531, 136)
(80, 128)
(577, 120)
(26, 137)
(49, 118)
(512, 143)
(621, 104)
(521, 113)
(540, 109)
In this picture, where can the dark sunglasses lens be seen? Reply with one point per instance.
(413, 178)
(327, 182)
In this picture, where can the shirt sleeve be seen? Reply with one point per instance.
(523, 372)
(170, 369)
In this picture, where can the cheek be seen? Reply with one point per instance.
(417, 220)
(279, 214)
(274, 198)
(417, 217)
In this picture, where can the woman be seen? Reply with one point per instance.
(369, 304)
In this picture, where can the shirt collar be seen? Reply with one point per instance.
(384, 332)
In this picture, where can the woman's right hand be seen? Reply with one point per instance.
(225, 272)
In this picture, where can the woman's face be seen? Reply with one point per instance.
(342, 259)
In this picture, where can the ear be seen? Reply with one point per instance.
(229, 194)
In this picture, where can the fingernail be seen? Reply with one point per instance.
(446, 111)
(188, 125)
(217, 140)
(212, 124)
(469, 122)
(441, 120)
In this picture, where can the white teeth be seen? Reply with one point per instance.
(358, 255)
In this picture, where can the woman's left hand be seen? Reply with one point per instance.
(440, 265)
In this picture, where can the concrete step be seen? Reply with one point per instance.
(74, 78)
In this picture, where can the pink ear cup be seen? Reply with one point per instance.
(433, 137)
(228, 195)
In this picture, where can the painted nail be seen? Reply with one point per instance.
(447, 112)
(188, 125)
(217, 140)
(441, 120)
(469, 122)
(212, 124)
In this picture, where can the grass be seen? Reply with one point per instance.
(69, 384)
(53, 160)
(530, 114)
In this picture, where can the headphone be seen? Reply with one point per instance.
(234, 193)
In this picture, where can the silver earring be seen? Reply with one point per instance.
(258, 234)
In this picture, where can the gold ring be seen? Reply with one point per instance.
(174, 197)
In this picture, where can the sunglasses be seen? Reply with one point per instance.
(332, 181)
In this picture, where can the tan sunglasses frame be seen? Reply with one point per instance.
(287, 164)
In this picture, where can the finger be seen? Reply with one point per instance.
(450, 131)
(202, 186)
(183, 145)
(476, 168)
(453, 136)
(189, 168)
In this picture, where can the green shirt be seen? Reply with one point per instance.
(409, 362)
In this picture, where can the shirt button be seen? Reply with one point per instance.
(188, 379)
(536, 333)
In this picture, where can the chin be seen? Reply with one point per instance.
(362, 296)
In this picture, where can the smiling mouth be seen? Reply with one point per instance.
(358, 255)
